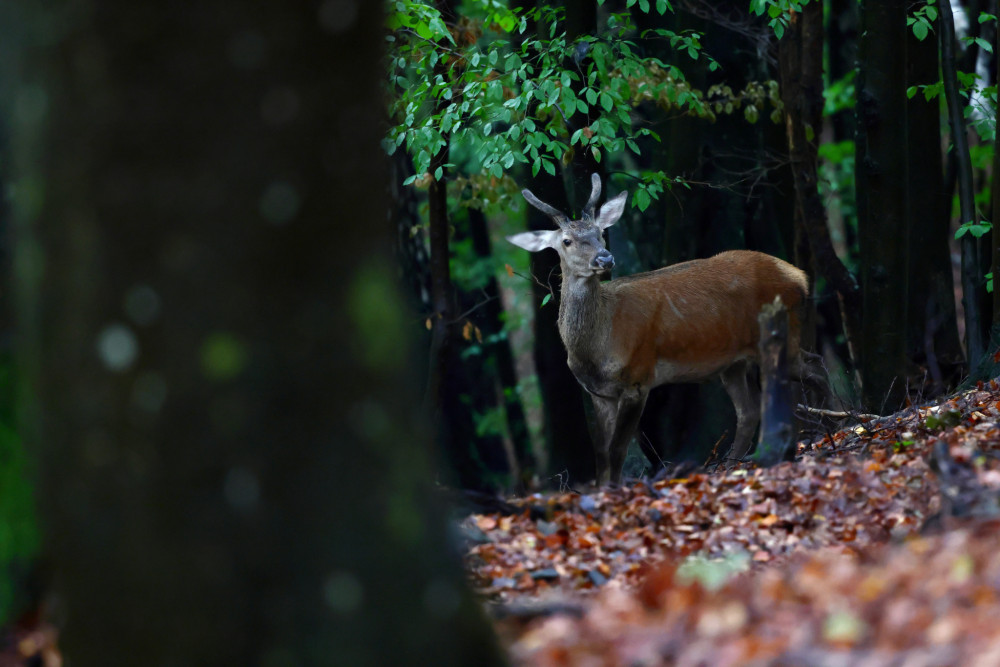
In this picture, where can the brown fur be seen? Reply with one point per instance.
(700, 312)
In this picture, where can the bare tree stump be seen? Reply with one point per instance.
(775, 400)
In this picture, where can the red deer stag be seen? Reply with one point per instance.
(688, 322)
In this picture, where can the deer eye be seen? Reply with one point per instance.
(567, 242)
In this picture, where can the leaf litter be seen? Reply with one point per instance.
(878, 545)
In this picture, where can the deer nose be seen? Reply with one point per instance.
(604, 259)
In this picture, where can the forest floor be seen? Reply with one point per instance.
(879, 546)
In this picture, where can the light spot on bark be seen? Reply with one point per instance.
(117, 347)
(343, 592)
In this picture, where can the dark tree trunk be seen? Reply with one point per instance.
(842, 52)
(409, 229)
(447, 379)
(881, 181)
(973, 263)
(932, 337)
(800, 61)
(231, 467)
(498, 377)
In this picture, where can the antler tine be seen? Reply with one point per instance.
(595, 194)
(557, 216)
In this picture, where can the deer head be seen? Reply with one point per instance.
(580, 243)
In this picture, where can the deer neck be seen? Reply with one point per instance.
(583, 316)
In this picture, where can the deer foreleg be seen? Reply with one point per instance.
(629, 411)
(606, 415)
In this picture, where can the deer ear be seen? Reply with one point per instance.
(535, 241)
(611, 211)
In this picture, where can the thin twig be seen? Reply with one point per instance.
(836, 414)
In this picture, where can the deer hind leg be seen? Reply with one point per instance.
(745, 394)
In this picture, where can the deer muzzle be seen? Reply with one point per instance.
(604, 260)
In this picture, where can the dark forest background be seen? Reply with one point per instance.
(854, 139)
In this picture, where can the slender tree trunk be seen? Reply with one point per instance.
(232, 470)
(932, 338)
(499, 376)
(973, 264)
(881, 177)
(800, 62)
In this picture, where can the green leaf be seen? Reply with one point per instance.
(549, 167)
(607, 102)
(910, 92)
(977, 230)
(661, 6)
(642, 199)
(920, 29)
(546, 299)
(644, 6)
(984, 45)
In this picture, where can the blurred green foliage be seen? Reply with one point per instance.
(19, 534)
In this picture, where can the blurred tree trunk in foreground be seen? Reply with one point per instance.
(231, 471)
